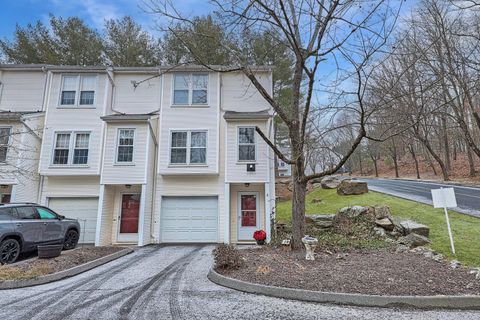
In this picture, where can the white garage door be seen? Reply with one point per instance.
(189, 219)
(83, 209)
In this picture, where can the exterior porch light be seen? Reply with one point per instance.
(128, 186)
(247, 185)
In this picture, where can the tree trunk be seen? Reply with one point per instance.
(395, 163)
(375, 166)
(471, 163)
(438, 159)
(454, 151)
(414, 157)
(360, 164)
(298, 211)
(448, 164)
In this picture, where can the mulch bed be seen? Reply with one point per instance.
(381, 272)
(35, 267)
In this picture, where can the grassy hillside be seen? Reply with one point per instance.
(466, 229)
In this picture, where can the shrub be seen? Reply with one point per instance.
(227, 257)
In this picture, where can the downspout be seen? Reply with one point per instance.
(154, 176)
(114, 88)
(45, 103)
(155, 158)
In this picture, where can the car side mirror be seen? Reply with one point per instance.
(60, 217)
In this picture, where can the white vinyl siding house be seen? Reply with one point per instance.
(142, 155)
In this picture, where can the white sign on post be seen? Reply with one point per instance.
(445, 198)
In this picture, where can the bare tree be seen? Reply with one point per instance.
(318, 33)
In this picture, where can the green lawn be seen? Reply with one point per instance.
(466, 229)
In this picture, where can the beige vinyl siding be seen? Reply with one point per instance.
(107, 216)
(239, 94)
(125, 173)
(26, 189)
(145, 98)
(79, 118)
(68, 186)
(189, 118)
(236, 170)
(234, 190)
(22, 90)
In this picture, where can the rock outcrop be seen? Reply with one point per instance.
(352, 187)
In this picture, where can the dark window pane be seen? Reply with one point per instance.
(199, 97)
(246, 152)
(179, 139)
(68, 98)
(3, 153)
(178, 156)
(246, 135)
(4, 135)
(6, 214)
(80, 156)
(125, 154)
(86, 97)
(198, 155)
(27, 213)
(61, 156)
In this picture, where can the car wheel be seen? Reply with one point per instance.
(9, 251)
(71, 239)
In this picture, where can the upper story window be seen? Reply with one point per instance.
(71, 148)
(246, 144)
(125, 145)
(190, 89)
(78, 90)
(188, 147)
(4, 140)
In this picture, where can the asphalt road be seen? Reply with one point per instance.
(468, 198)
(170, 283)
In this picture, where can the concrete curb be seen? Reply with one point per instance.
(364, 300)
(13, 284)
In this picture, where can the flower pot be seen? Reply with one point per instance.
(260, 242)
(49, 251)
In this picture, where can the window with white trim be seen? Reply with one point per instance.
(5, 133)
(188, 147)
(125, 145)
(246, 144)
(71, 148)
(190, 89)
(78, 90)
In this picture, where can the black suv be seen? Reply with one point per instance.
(24, 226)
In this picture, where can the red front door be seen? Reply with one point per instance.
(130, 211)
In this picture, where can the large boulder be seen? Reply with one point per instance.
(413, 240)
(352, 187)
(323, 221)
(330, 182)
(410, 226)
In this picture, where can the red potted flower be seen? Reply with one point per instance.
(260, 236)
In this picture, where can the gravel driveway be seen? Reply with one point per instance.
(170, 282)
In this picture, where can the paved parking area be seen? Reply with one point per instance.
(170, 282)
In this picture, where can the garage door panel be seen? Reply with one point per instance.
(189, 219)
(83, 209)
